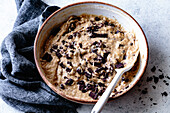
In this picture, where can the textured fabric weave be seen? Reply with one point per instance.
(20, 83)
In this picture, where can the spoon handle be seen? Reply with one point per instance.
(103, 99)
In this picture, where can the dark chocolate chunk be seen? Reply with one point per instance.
(93, 95)
(69, 82)
(70, 37)
(76, 34)
(71, 51)
(58, 54)
(62, 65)
(97, 64)
(94, 35)
(160, 70)
(101, 84)
(63, 42)
(90, 70)
(68, 69)
(91, 29)
(153, 69)
(96, 90)
(131, 44)
(47, 57)
(88, 75)
(164, 93)
(99, 69)
(97, 18)
(81, 82)
(62, 86)
(55, 46)
(80, 44)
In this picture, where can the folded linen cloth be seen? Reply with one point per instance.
(20, 83)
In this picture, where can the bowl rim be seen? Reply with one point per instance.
(75, 99)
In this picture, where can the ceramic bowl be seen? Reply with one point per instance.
(96, 8)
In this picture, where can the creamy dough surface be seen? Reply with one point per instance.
(80, 60)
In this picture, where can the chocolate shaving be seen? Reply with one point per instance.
(69, 82)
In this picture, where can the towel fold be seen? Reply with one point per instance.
(20, 83)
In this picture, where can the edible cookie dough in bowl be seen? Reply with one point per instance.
(78, 48)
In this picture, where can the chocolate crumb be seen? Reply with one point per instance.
(154, 103)
(93, 95)
(97, 18)
(70, 37)
(154, 87)
(144, 91)
(149, 79)
(160, 70)
(62, 65)
(164, 93)
(156, 79)
(161, 76)
(151, 99)
(153, 69)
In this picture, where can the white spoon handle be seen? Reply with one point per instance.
(103, 99)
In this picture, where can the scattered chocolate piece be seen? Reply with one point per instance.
(47, 57)
(160, 70)
(153, 69)
(62, 65)
(154, 87)
(131, 44)
(168, 77)
(164, 93)
(154, 103)
(79, 71)
(62, 86)
(69, 82)
(156, 79)
(144, 91)
(94, 50)
(119, 65)
(112, 25)
(68, 69)
(90, 87)
(151, 99)
(121, 45)
(149, 79)
(161, 76)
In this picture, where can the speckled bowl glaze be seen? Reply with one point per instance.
(96, 8)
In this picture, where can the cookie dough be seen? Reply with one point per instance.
(80, 59)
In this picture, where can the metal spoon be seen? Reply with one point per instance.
(103, 99)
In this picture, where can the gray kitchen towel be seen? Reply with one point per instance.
(20, 83)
